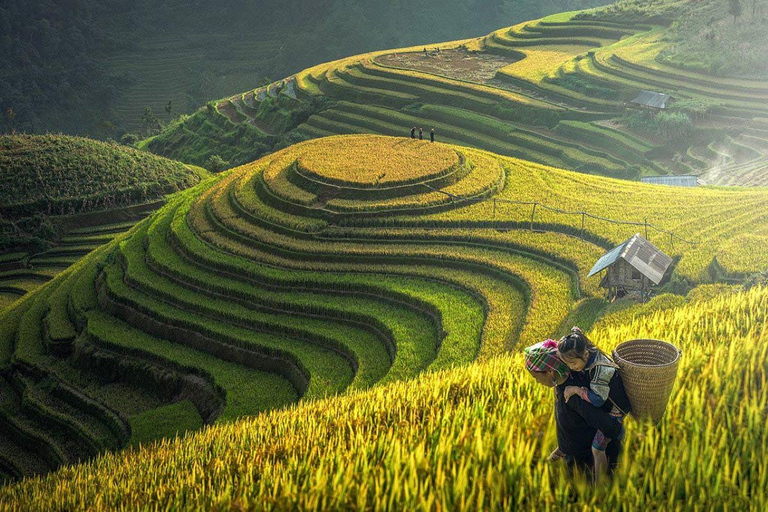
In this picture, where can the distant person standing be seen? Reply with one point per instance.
(432, 135)
(426, 53)
(421, 134)
(413, 132)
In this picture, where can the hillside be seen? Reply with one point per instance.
(704, 35)
(334, 265)
(63, 196)
(556, 91)
(347, 266)
(92, 67)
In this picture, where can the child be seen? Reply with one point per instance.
(576, 351)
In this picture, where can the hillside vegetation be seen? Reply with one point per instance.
(92, 68)
(468, 438)
(556, 91)
(726, 39)
(63, 196)
(59, 175)
(331, 266)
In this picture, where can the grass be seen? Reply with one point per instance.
(365, 350)
(579, 67)
(744, 254)
(54, 182)
(347, 292)
(406, 327)
(368, 162)
(260, 288)
(541, 60)
(164, 422)
(306, 278)
(75, 175)
(452, 433)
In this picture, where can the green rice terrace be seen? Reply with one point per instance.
(329, 267)
(64, 196)
(334, 321)
(558, 91)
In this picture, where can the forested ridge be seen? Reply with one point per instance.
(92, 68)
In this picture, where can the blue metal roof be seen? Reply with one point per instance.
(608, 258)
(675, 181)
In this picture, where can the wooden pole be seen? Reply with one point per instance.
(582, 225)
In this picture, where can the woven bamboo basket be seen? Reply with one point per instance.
(648, 369)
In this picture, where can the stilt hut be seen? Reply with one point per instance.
(634, 267)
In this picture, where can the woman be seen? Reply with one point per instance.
(577, 421)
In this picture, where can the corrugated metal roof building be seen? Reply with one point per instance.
(652, 99)
(687, 180)
(636, 265)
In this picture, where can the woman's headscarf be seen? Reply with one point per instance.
(542, 357)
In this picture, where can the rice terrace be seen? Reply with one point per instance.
(357, 287)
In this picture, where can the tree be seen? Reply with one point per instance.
(734, 9)
(11, 120)
(129, 139)
(151, 123)
(674, 126)
(169, 108)
(216, 164)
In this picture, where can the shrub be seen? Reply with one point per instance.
(758, 279)
(217, 164)
(674, 126)
(129, 139)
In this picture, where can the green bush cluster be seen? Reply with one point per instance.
(676, 127)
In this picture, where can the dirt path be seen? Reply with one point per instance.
(458, 64)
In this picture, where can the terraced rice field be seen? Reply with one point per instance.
(28, 271)
(471, 437)
(62, 197)
(555, 91)
(330, 267)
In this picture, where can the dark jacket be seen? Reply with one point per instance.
(578, 422)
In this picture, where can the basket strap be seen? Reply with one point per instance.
(616, 406)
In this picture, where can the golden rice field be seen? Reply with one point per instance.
(367, 335)
(338, 325)
(467, 438)
(744, 253)
(542, 60)
(369, 161)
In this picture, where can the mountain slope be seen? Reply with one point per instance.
(92, 68)
(557, 91)
(469, 438)
(64, 196)
(332, 266)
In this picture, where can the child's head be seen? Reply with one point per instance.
(573, 349)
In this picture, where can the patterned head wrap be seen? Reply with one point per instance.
(542, 357)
